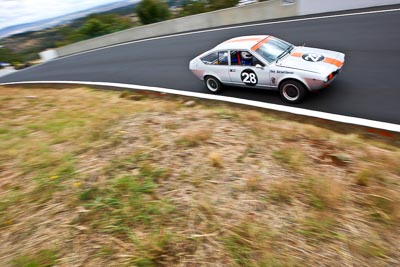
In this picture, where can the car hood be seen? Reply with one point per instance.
(313, 60)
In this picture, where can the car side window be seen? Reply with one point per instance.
(223, 58)
(244, 58)
(216, 58)
(210, 59)
(255, 62)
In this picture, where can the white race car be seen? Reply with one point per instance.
(265, 61)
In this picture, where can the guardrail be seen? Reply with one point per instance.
(255, 12)
(307, 7)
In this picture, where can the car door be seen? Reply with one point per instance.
(246, 69)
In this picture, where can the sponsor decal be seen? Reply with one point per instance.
(312, 57)
(273, 80)
(284, 72)
(249, 77)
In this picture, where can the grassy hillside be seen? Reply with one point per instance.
(100, 178)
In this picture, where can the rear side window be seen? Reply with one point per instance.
(210, 59)
(216, 58)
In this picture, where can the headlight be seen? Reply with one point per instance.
(330, 77)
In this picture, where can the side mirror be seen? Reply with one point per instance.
(258, 66)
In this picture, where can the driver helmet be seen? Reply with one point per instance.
(246, 55)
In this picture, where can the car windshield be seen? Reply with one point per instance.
(274, 49)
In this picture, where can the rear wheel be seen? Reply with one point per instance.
(292, 91)
(213, 84)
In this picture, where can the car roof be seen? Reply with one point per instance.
(242, 42)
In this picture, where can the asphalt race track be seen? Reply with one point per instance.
(368, 86)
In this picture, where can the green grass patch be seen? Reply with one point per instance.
(290, 158)
(371, 248)
(128, 201)
(323, 193)
(4, 131)
(370, 176)
(42, 258)
(248, 244)
(161, 245)
(50, 174)
(126, 163)
(318, 228)
(282, 192)
(225, 113)
(384, 208)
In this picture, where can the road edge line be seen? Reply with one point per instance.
(288, 109)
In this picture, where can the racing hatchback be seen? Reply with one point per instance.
(268, 62)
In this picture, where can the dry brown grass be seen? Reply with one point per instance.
(290, 157)
(216, 160)
(151, 182)
(254, 182)
(282, 192)
(194, 137)
(324, 193)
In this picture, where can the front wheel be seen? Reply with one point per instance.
(213, 84)
(292, 91)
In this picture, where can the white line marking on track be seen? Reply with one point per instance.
(288, 109)
(234, 27)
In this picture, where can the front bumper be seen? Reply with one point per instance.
(316, 85)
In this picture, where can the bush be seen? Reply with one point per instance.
(151, 11)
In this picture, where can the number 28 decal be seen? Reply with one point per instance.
(249, 77)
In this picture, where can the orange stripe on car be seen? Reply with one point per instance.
(332, 61)
(259, 44)
(257, 39)
(328, 60)
(296, 54)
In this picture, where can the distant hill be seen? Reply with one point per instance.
(124, 11)
(121, 6)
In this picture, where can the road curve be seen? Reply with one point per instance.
(368, 86)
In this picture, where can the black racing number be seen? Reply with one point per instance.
(249, 77)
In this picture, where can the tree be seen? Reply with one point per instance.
(151, 11)
(93, 26)
(113, 22)
(194, 7)
(97, 25)
(9, 57)
(219, 4)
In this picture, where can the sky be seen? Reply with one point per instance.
(14, 12)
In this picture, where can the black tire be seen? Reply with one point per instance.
(213, 84)
(292, 91)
